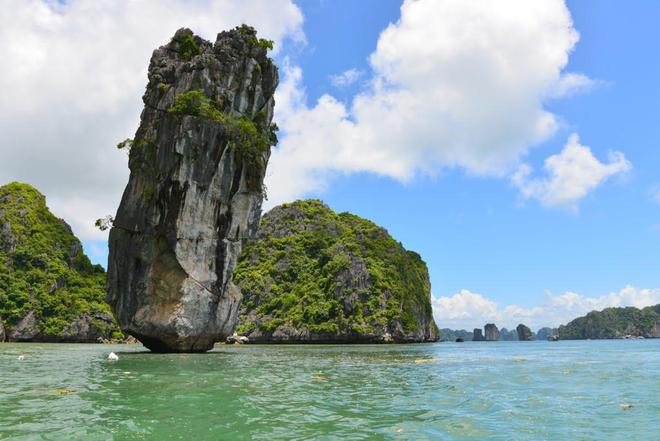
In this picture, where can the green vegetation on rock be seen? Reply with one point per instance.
(195, 103)
(614, 323)
(247, 136)
(316, 275)
(188, 47)
(43, 270)
(253, 40)
(126, 144)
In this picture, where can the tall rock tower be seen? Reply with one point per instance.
(195, 190)
(491, 332)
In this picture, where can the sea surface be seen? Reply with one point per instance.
(568, 390)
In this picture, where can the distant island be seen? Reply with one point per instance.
(492, 333)
(610, 323)
(614, 323)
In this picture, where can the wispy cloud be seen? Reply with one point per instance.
(654, 192)
(346, 78)
(570, 84)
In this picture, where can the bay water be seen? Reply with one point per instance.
(566, 390)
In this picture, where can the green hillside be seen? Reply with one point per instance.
(49, 290)
(315, 275)
(614, 323)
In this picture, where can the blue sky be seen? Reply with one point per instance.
(477, 232)
(496, 250)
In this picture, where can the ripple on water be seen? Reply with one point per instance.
(470, 391)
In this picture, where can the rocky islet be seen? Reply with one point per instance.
(195, 190)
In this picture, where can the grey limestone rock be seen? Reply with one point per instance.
(195, 190)
(524, 333)
(88, 328)
(491, 332)
(478, 335)
(27, 329)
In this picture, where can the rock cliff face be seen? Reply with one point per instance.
(524, 333)
(317, 276)
(492, 333)
(194, 194)
(477, 335)
(614, 323)
(49, 290)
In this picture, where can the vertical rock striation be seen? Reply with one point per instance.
(477, 335)
(195, 190)
(491, 332)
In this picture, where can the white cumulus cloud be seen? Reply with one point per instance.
(468, 310)
(452, 83)
(72, 78)
(572, 174)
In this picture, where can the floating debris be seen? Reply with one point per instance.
(21, 357)
(62, 391)
(113, 357)
(626, 406)
(425, 361)
(319, 378)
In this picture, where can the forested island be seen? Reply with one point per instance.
(49, 290)
(614, 323)
(313, 275)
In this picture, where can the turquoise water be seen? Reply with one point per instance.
(569, 390)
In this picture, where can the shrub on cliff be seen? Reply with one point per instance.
(245, 135)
